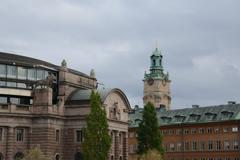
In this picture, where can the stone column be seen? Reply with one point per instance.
(10, 143)
(125, 145)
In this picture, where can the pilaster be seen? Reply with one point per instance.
(10, 143)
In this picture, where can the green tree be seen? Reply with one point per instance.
(97, 141)
(35, 154)
(149, 136)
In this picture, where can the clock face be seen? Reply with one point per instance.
(150, 81)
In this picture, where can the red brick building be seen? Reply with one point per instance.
(197, 133)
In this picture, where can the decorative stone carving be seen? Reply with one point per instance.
(92, 74)
(64, 63)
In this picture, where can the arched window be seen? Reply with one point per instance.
(18, 156)
(78, 156)
(57, 157)
(1, 156)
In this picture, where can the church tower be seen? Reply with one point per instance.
(157, 83)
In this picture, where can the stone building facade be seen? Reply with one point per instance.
(197, 133)
(45, 105)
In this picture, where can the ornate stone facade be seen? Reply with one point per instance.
(52, 115)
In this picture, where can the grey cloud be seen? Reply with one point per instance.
(199, 41)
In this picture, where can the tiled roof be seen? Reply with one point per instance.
(190, 115)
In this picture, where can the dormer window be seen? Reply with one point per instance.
(179, 119)
(166, 119)
(137, 121)
(194, 117)
(225, 115)
(210, 116)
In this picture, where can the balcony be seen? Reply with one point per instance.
(15, 108)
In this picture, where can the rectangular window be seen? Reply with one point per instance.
(210, 145)
(3, 100)
(234, 129)
(79, 136)
(21, 85)
(218, 145)
(186, 146)
(1, 134)
(57, 135)
(202, 146)
(171, 132)
(194, 131)
(186, 131)
(14, 100)
(225, 129)
(11, 71)
(209, 130)
(172, 147)
(235, 145)
(226, 145)
(11, 84)
(22, 73)
(19, 134)
(40, 74)
(194, 146)
(32, 74)
(2, 83)
(3, 70)
(178, 131)
(217, 130)
(201, 130)
(179, 146)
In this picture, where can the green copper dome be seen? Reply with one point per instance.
(156, 68)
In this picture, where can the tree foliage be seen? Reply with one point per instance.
(149, 136)
(97, 141)
(35, 154)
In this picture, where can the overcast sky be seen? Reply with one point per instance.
(199, 39)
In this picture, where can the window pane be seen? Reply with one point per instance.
(15, 100)
(40, 74)
(2, 70)
(32, 74)
(21, 85)
(2, 83)
(11, 84)
(22, 73)
(3, 99)
(19, 134)
(11, 71)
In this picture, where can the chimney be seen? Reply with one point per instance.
(195, 106)
(231, 102)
